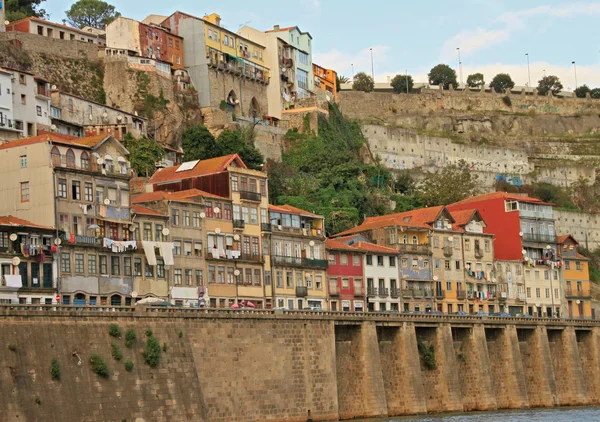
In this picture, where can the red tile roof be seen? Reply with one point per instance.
(203, 167)
(35, 18)
(563, 238)
(181, 196)
(338, 244)
(292, 210)
(90, 141)
(138, 209)
(501, 195)
(9, 220)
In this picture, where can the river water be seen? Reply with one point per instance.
(580, 414)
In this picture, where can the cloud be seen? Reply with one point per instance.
(480, 38)
(342, 62)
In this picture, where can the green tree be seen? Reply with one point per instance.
(475, 80)
(144, 153)
(400, 82)
(405, 184)
(582, 90)
(19, 9)
(198, 143)
(501, 82)
(549, 83)
(233, 142)
(339, 80)
(450, 184)
(363, 82)
(595, 93)
(442, 74)
(94, 13)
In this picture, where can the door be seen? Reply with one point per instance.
(580, 306)
(570, 304)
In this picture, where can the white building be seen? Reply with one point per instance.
(8, 131)
(382, 277)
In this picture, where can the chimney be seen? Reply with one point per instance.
(275, 27)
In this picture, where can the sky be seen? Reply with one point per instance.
(493, 35)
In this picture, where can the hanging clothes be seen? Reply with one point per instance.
(166, 251)
(149, 252)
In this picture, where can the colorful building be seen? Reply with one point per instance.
(577, 279)
(345, 271)
(57, 31)
(325, 80)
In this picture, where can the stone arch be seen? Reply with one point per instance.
(254, 110)
(233, 102)
(116, 300)
(70, 158)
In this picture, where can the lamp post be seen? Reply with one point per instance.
(528, 73)
(407, 81)
(575, 70)
(459, 64)
(372, 67)
(352, 66)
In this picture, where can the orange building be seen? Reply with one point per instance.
(325, 79)
(577, 279)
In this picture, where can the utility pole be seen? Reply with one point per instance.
(459, 65)
(528, 73)
(372, 67)
(407, 81)
(575, 70)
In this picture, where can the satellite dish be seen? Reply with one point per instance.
(57, 241)
(524, 252)
(16, 261)
(578, 301)
(451, 238)
(100, 160)
(449, 226)
(132, 228)
(134, 294)
(236, 237)
(236, 272)
(119, 117)
(202, 214)
(107, 201)
(548, 247)
(311, 243)
(6, 22)
(13, 237)
(217, 230)
(53, 128)
(435, 278)
(521, 234)
(53, 87)
(216, 210)
(165, 231)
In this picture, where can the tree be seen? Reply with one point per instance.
(549, 83)
(363, 82)
(233, 142)
(450, 184)
(94, 13)
(198, 143)
(582, 90)
(144, 153)
(400, 82)
(442, 74)
(19, 9)
(475, 80)
(339, 80)
(595, 93)
(501, 82)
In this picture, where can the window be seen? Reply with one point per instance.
(356, 260)
(567, 265)
(227, 211)
(447, 265)
(253, 216)
(448, 286)
(289, 280)
(137, 267)
(369, 259)
(100, 194)
(23, 99)
(76, 190)
(547, 293)
(24, 191)
(158, 236)
(379, 261)
(199, 281)
(187, 248)
(79, 263)
(546, 275)
(175, 217)
(211, 274)
(257, 276)
(467, 244)
(88, 192)
(198, 248)
(23, 161)
(160, 268)
(344, 259)
(487, 245)
(188, 277)
(331, 258)
(127, 265)
(62, 188)
(70, 158)
(529, 292)
(302, 77)
(103, 264)
(318, 281)
(3, 239)
(186, 218)
(234, 183)
(392, 261)
(65, 262)
(404, 262)
(457, 265)
(578, 266)
(196, 219)
(537, 292)
(177, 247)
(115, 265)
(149, 273)
(345, 283)
(148, 231)
(177, 276)
(38, 110)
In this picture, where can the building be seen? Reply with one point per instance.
(325, 80)
(27, 262)
(524, 233)
(228, 70)
(345, 272)
(234, 242)
(8, 126)
(30, 102)
(81, 187)
(296, 241)
(38, 26)
(145, 40)
(76, 116)
(576, 275)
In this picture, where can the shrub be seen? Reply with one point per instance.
(116, 352)
(165, 347)
(99, 366)
(12, 347)
(152, 352)
(55, 369)
(506, 100)
(180, 334)
(129, 366)
(37, 399)
(428, 355)
(114, 330)
(148, 332)
(130, 337)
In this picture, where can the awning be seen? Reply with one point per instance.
(184, 293)
(108, 157)
(121, 160)
(113, 220)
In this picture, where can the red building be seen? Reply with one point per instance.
(346, 276)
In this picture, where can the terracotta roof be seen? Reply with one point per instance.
(35, 18)
(292, 210)
(9, 220)
(58, 138)
(338, 244)
(563, 238)
(203, 167)
(138, 209)
(579, 256)
(501, 195)
(180, 196)
(289, 28)
(371, 247)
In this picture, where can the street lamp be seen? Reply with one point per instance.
(407, 81)
(575, 70)
(372, 67)
(459, 64)
(528, 73)
(352, 66)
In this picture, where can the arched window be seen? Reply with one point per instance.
(55, 154)
(85, 160)
(115, 300)
(415, 241)
(70, 158)
(405, 239)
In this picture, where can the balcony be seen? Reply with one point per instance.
(407, 293)
(440, 294)
(265, 227)
(384, 292)
(503, 296)
(239, 224)
(540, 238)
(85, 240)
(113, 212)
(231, 255)
(42, 91)
(294, 261)
(417, 249)
(301, 291)
(120, 170)
(478, 253)
(421, 293)
(574, 293)
(358, 291)
(394, 293)
(461, 294)
(371, 291)
(448, 251)
(250, 196)
(298, 231)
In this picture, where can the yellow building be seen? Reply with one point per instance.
(577, 279)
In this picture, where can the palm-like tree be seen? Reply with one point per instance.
(341, 79)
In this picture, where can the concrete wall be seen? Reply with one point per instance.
(264, 366)
(583, 226)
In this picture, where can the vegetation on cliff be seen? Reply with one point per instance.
(19, 9)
